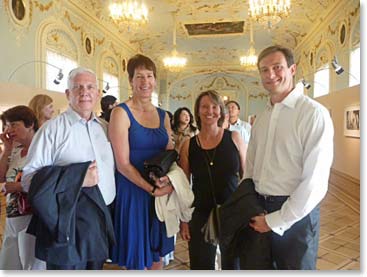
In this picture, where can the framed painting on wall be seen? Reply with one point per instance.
(351, 121)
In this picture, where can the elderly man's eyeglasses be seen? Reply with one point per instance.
(87, 87)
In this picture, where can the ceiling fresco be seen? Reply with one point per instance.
(214, 32)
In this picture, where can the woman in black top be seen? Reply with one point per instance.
(223, 153)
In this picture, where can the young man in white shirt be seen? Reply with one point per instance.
(289, 158)
(235, 123)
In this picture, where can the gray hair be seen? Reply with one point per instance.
(77, 71)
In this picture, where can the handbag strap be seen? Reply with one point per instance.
(209, 171)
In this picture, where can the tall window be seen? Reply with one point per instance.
(62, 62)
(355, 67)
(113, 83)
(321, 81)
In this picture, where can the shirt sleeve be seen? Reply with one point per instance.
(39, 155)
(250, 159)
(317, 141)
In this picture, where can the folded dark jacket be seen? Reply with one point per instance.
(71, 224)
(235, 216)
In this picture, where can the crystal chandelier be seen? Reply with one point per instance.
(174, 63)
(128, 10)
(269, 12)
(249, 62)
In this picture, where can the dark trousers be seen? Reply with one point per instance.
(202, 254)
(298, 247)
(91, 265)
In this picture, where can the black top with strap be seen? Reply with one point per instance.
(224, 170)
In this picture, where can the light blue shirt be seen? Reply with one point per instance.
(69, 139)
(243, 128)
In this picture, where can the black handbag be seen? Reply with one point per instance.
(211, 229)
(159, 164)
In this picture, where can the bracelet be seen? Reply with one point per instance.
(153, 190)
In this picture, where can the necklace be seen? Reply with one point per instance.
(211, 157)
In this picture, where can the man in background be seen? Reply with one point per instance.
(235, 123)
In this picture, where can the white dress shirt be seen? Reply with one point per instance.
(69, 139)
(290, 153)
(243, 128)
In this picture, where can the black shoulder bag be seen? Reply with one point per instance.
(211, 229)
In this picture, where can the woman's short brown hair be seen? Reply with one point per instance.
(140, 61)
(21, 113)
(216, 98)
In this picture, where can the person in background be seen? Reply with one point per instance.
(183, 126)
(225, 124)
(213, 154)
(138, 131)
(42, 106)
(18, 247)
(289, 159)
(170, 115)
(3, 123)
(235, 123)
(252, 120)
(108, 102)
(76, 136)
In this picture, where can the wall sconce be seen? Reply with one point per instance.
(306, 84)
(59, 77)
(57, 80)
(337, 67)
(106, 88)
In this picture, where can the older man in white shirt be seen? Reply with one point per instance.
(289, 158)
(76, 136)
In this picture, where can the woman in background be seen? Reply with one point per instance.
(138, 131)
(183, 126)
(215, 160)
(17, 251)
(108, 102)
(42, 106)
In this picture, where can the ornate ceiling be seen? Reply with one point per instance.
(215, 49)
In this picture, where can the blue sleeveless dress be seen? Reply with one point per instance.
(141, 237)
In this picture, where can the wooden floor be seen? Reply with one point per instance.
(339, 238)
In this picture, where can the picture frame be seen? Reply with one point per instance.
(88, 44)
(352, 121)
(123, 65)
(19, 12)
(18, 8)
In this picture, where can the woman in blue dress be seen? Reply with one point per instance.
(139, 131)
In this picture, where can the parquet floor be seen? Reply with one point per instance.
(339, 238)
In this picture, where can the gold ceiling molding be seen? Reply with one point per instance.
(112, 46)
(43, 7)
(60, 41)
(331, 31)
(180, 97)
(72, 24)
(99, 42)
(110, 66)
(260, 95)
(221, 83)
(356, 10)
